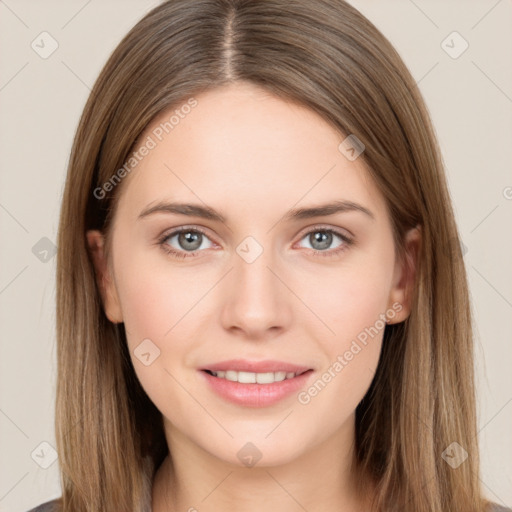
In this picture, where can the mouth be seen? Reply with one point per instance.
(255, 372)
(255, 377)
(255, 384)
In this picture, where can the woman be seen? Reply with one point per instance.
(261, 295)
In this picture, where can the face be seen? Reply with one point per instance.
(262, 278)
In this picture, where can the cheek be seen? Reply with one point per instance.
(154, 299)
(346, 300)
(162, 311)
(158, 311)
(353, 312)
(350, 304)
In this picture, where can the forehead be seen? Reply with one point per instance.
(241, 146)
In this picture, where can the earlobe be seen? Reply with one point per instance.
(104, 280)
(405, 276)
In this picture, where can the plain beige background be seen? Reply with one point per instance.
(469, 97)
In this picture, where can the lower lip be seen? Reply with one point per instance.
(256, 395)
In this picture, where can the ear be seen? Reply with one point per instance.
(104, 279)
(404, 277)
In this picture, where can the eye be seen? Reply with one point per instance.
(187, 242)
(321, 241)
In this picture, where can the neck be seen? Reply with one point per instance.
(321, 479)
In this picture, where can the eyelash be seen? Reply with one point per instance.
(347, 242)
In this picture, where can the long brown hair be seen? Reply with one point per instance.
(327, 56)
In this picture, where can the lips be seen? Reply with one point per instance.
(256, 394)
(255, 383)
(268, 366)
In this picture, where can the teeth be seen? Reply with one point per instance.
(253, 378)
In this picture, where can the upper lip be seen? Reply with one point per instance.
(267, 366)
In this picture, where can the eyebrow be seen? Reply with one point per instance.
(205, 212)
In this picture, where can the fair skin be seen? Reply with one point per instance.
(252, 157)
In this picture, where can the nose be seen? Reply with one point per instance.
(256, 302)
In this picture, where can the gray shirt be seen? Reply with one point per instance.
(52, 506)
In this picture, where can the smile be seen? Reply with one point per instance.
(251, 389)
(254, 378)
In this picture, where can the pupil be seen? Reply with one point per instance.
(190, 240)
(323, 238)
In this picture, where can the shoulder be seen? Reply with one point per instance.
(48, 506)
(54, 506)
(498, 508)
